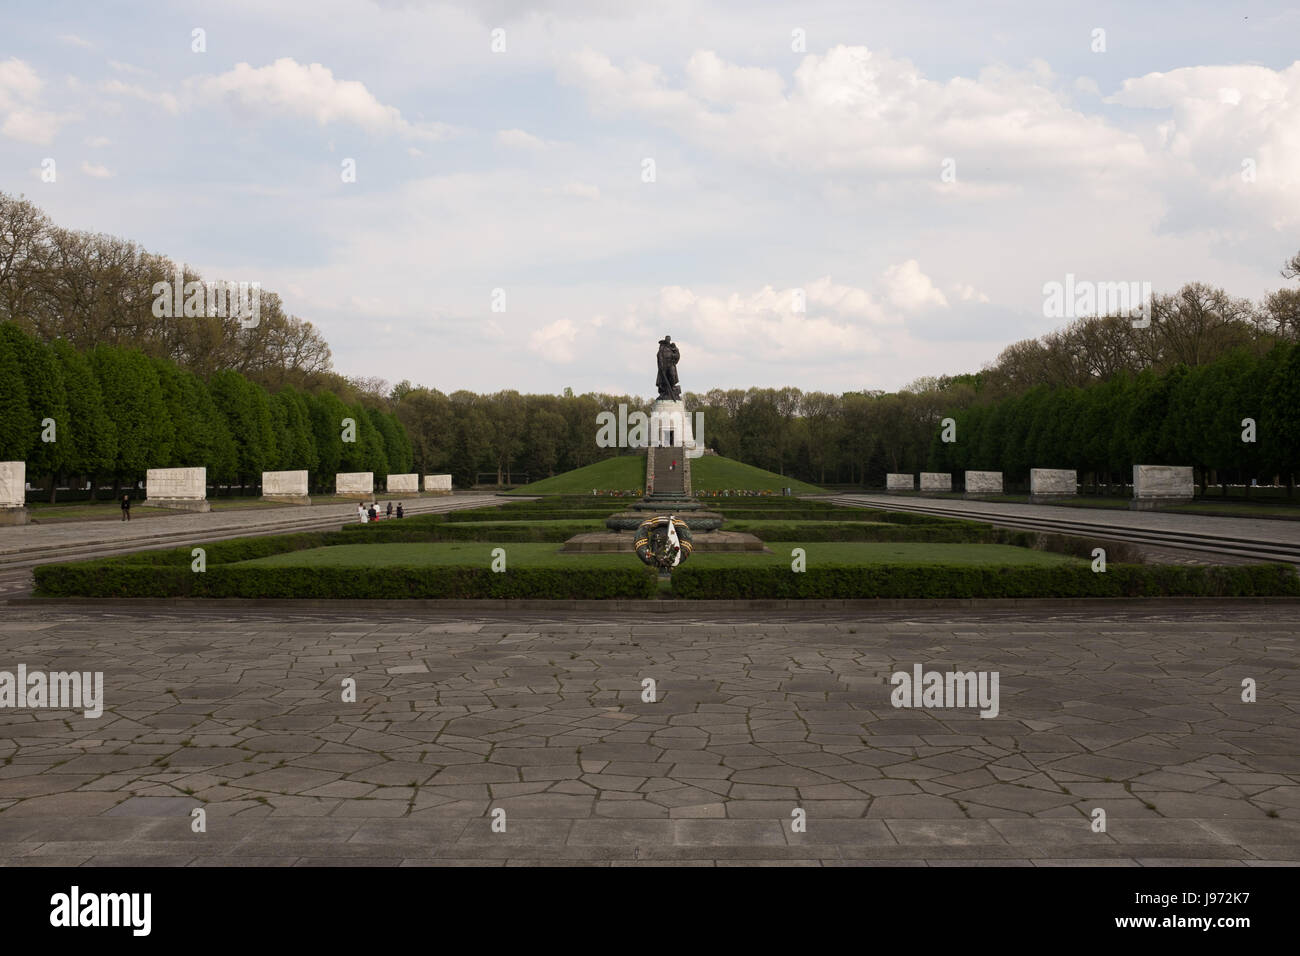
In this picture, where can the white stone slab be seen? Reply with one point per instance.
(936, 481)
(895, 482)
(284, 484)
(403, 484)
(13, 484)
(1163, 481)
(983, 482)
(176, 484)
(1053, 481)
(437, 483)
(354, 483)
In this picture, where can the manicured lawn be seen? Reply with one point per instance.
(627, 472)
(623, 473)
(548, 555)
(439, 553)
(715, 473)
(104, 511)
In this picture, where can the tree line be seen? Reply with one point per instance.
(111, 413)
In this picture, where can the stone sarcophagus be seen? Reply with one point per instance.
(1155, 485)
(983, 483)
(936, 481)
(403, 484)
(437, 484)
(1046, 484)
(894, 482)
(184, 489)
(13, 492)
(288, 486)
(355, 484)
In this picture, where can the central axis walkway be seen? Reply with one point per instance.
(240, 712)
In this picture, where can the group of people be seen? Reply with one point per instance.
(371, 513)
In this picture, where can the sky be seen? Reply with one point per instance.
(529, 194)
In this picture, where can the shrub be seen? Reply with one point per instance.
(946, 581)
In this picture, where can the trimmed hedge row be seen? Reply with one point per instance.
(864, 531)
(109, 580)
(949, 581)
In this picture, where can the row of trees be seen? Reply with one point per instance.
(92, 289)
(1232, 419)
(112, 413)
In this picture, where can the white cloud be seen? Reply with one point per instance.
(911, 289)
(166, 100)
(581, 190)
(287, 86)
(968, 293)
(98, 142)
(23, 120)
(73, 40)
(761, 326)
(1218, 118)
(555, 342)
(95, 171)
(858, 110)
(520, 139)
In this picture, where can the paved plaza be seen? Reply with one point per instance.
(239, 710)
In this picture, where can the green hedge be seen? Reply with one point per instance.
(865, 531)
(120, 580)
(944, 581)
(541, 531)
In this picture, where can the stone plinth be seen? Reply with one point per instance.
(13, 492)
(403, 484)
(287, 487)
(354, 484)
(181, 489)
(983, 483)
(1052, 484)
(437, 484)
(936, 481)
(896, 483)
(609, 541)
(1156, 485)
(670, 426)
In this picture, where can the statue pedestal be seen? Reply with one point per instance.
(670, 425)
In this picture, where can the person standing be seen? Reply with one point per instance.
(400, 513)
(374, 513)
(361, 512)
(126, 507)
(389, 512)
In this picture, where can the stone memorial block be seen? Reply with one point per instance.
(1155, 485)
(355, 484)
(440, 484)
(13, 492)
(184, 489)
(895, 482)
(983, 482)
(1049, 483)
(936, 481)
(403, 484)
(290, 486)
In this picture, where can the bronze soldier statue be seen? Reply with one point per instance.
(667, 379)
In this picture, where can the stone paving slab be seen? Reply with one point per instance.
(458, 717)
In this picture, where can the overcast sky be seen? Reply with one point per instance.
(918, 171)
